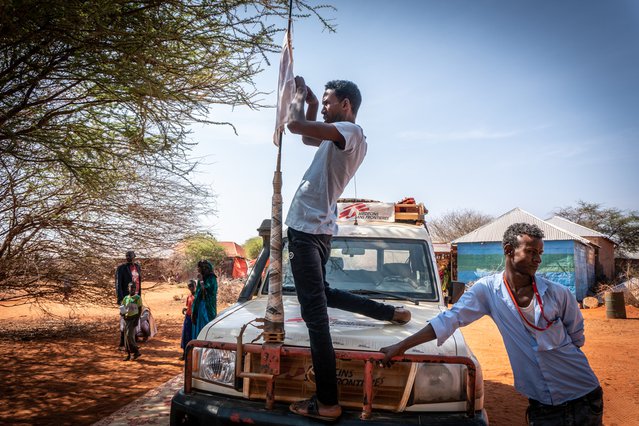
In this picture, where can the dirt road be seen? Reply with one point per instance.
(74, 375)
(611, 348)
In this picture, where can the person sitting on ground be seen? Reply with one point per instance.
(187, 327)
(131, 308)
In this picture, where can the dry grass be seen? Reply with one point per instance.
(228, 291)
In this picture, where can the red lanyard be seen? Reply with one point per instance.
(541, 306)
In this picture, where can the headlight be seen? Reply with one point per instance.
(214, 365)
(438, 383)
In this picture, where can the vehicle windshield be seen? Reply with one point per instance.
(399, 268)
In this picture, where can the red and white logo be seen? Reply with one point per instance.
(352, 210)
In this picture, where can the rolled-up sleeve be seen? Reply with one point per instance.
(470, 307)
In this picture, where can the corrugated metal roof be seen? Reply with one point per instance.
(575, 228)
(442, 247)
(628, 255)
(232, 249)
(494, 231)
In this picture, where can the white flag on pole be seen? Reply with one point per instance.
(285, 88)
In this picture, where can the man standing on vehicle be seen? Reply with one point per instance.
(129, 272)
(542, 328)
(311, 223)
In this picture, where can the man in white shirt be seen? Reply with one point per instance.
(542, 329)
(311, 223)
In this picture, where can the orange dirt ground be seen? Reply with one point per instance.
(74, 375)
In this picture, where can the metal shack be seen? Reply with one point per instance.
(605, 253)
(568, 259)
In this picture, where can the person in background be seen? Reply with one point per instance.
(204, 308)
(187, 327)
(129, 272)
(542, 328)
(132, 304)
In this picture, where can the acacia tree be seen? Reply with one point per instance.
(96, 99)
(253, 246)
(98, 87)
(202, 246)
(57, 235)
(621, 226)
(457, 223)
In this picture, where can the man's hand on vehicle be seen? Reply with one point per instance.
(390, 351)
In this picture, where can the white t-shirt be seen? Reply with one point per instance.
(314, 206)
(529, 311)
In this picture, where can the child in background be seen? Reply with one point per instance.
(132, 307)
(187, 326)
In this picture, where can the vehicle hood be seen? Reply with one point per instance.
(348, 330)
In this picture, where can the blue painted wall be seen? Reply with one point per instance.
(563, 262)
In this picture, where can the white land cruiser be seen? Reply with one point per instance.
(387, 255)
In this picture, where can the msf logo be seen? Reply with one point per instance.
(352, 210)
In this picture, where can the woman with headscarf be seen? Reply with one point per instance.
(204, 307)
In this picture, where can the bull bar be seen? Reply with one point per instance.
(272, 352)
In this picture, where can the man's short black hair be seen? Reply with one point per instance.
(345, 89)
(517, 229)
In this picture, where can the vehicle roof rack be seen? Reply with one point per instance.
(405, 211)
(408, 211)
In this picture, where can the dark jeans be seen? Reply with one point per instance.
(584, 411)
(308, 255)
(187, 329)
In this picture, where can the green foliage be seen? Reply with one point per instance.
(97, 99)
(202, 247)
(621, 226)
(252, 247)
(96, 87)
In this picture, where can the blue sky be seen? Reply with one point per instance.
(480, 104)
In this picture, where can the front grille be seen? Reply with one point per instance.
(296, 381)
(391, 392)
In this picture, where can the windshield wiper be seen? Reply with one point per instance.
(384, 293)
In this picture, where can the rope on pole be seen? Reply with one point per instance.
(274, 315)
